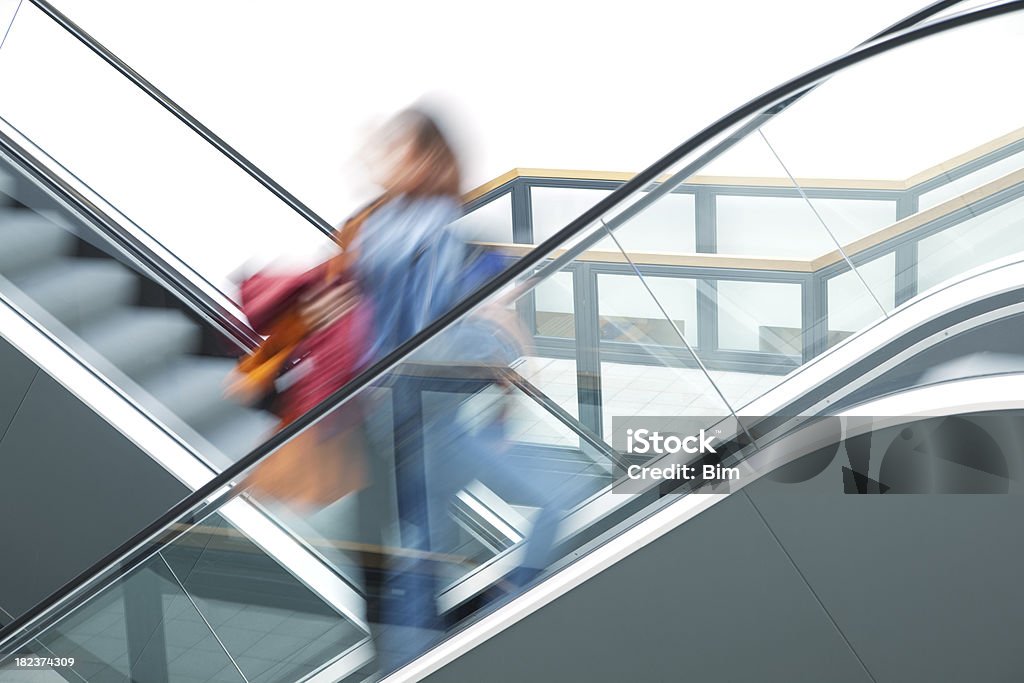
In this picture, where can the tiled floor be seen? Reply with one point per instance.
(531, 423)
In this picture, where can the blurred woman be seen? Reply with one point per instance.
(407, 261)
(411, 267)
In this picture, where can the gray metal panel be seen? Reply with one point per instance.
(926, 587)
(16, 374)
(714, 600)
(72, 489)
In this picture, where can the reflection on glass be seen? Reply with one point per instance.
(273, 626)
(145, 628)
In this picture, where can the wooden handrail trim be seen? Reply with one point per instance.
(756, 181)
(793, 265)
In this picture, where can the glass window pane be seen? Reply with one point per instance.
(556, 207)
(983, 175)
(556, 377)
(618, 294)
(760, 316)
(787, 227)
(491, 222)
(666, 226)
(554, 305)
(987, 237)
(850, 308)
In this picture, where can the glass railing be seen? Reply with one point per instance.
(178, 617)
(438, 429)
(770, 286)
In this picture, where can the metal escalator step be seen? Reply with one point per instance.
(77, 290)
(27, 240)
(137, 340)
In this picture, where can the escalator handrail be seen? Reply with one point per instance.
(227, 323)
(234, 327)
(122, 557)
(192, 122)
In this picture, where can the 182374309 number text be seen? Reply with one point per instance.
(43, 662)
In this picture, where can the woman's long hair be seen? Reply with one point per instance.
(434, 166)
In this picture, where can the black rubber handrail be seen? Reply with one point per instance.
(121, 558)
(192, 122)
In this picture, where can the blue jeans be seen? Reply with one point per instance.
(438, 452)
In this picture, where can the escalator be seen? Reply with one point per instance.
(871, 282)
(108, 328)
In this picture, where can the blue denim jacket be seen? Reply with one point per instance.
(408, 267)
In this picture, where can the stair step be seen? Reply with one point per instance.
(138, 340)
(78, 290)
(27, 240)
(192, 388)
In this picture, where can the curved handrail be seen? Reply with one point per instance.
(219, 490)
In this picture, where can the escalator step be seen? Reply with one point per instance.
(138, 340)
(28, 240)
(77, 290)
